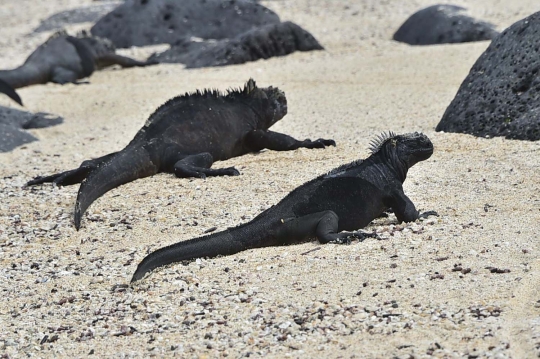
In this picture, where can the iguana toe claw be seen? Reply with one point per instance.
(342, 240)
(329, 143)
(59, 180)
(326, 143)
(233, 171)
(36, 180)
(428, 213)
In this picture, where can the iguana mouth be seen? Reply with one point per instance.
(424, 153)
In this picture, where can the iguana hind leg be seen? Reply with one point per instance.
(322, 225)
(74, 176)
(199, 166)
(61, 75)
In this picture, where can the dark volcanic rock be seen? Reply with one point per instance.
(501, 94)
(261, 43)
(83, 14)
(12, 123)
(148, 22)
(443, 24)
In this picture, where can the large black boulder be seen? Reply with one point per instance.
(89, 13)
(261, 43)
(443, 24)
(13, 123)
(501, 94)
(148, 22)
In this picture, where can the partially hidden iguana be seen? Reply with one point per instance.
(63, 58)
(347, 198)
(185, 136)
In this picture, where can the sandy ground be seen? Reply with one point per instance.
(423, 291)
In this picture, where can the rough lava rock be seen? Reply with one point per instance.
(260, 43)
(501, 94)
(149, 22)
(443, 24)
(13, 123)
(89, 13)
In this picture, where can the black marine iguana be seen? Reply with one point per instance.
(63, 58)
(185, 136)
(347, 198)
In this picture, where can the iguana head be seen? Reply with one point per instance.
(98, 45)
(409, 148)
(271, 101)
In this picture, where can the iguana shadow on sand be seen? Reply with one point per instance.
(185, 136)
(345, 199)
(63, 59)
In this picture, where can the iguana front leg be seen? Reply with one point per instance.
(260, 139)
(199, 166)
(115, 59)
(72, 176)
(321, 225)
(405, 210)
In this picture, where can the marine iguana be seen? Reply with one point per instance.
(185, 136)
(63, 58)
(347, 198)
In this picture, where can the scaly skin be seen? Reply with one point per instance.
(185, 136)
(345, 199)
(62, 59)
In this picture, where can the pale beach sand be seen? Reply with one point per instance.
(64, 292)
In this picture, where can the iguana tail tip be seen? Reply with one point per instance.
(138, 275)
(77, 217)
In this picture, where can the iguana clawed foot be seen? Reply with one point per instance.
(64, 178)
(347, 237)
(319, 143)
(199, 172)
(74, 176)
(428, 213)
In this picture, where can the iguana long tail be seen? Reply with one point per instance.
(25, 75)
(247, 236)
(5, 88)
(128, 165)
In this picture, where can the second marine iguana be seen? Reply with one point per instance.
(185, 136)
(347, 198)
(63, 58)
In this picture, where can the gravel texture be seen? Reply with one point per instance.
(464, 284)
